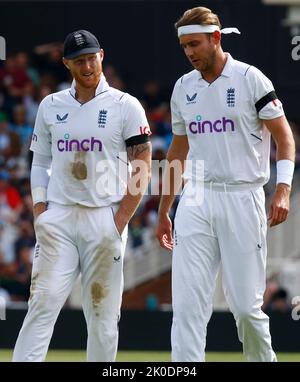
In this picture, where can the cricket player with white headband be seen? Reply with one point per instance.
(84, 134)
(223, 113)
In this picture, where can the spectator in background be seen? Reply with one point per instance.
(22, 63)
(7, 102)
(20, 127)
(161, 117)
(9, 209)
(9, 195)
(49, 60)
(153, 95)
(10, 145)
(14, 78)
(13, 168)
(158, 143)
(32, 101)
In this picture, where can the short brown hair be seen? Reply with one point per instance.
(198, 15)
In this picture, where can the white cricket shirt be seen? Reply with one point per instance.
(223, 122)
(87, 143)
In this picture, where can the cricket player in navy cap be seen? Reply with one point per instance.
(85, 134)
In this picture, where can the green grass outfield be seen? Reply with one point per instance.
(145, 356)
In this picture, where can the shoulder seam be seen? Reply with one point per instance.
(116, 97)
(247, 70)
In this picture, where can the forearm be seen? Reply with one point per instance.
(285, 158)
(137, 185)
(285, 148)
(172, 182)
(133, 196)
(39, 180)
(129, 205)
(172, 177)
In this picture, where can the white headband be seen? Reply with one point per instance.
(189, 29)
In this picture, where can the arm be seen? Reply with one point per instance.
(39, 180)
(42, 158)
(140, 158)
(285, 150)
(171, 182)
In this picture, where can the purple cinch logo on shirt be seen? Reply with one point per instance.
(67, 144)
(218, 126)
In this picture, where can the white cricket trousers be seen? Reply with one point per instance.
(227, 229)
(70, 240)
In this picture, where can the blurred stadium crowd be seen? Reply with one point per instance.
(24, 81)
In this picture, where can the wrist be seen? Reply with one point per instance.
(285, 171)
(39, 195)
(38, 208)
(163, 213)
(283, 187)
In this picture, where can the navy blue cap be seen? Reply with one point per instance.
(80, 42)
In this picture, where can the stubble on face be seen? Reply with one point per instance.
(87, 75)
(200, 51)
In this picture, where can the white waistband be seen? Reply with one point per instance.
(57, 205)
(225, 187)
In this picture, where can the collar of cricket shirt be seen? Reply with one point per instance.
(102, 86)
(227, 70)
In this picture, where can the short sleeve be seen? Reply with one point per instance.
(267, 105)
(178, 124)
(41, 137)
(134, 119)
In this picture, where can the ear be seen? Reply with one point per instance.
(101, 54)
(216, 37)
(65, 62)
